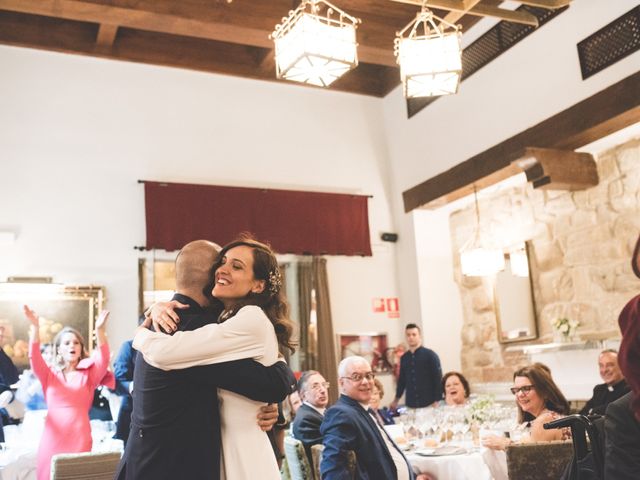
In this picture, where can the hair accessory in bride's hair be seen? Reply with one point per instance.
(275, 281)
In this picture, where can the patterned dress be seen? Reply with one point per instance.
(67, 428)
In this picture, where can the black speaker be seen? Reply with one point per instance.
(389, 237)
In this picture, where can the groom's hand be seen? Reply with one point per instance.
(267, 416)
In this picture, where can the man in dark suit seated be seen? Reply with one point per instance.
(614, 385)
(313, 391)
(350, 425)
(175, 424)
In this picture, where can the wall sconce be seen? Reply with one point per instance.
(429, 55)
(315, 44)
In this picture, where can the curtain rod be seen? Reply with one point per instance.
(302, 191)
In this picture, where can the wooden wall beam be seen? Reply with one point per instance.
(605, 112)
(553, 169)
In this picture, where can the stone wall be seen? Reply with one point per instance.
(581, 243)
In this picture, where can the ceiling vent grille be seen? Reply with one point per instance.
(611, 43)
(489, 46)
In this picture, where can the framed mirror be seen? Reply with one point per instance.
(515, 307)
(156, 281)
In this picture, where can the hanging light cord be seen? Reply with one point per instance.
(475, 196)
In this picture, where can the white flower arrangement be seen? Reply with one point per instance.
(567, 328)
(480, 408)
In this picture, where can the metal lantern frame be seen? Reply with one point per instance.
(429, 32)
(311, 59)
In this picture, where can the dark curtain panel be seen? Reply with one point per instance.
(283, 272)
(305, 285)
(326, 340)
(304, 223)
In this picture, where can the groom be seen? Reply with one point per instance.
(175, 424)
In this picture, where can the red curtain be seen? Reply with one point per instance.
(292, 222)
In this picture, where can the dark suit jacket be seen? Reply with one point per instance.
(175, 425)
(123, 367)
(306, 427)
(622, 443)
(348, 426)
(602, 397)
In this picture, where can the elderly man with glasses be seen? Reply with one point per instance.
(314, 393)
(350, 425)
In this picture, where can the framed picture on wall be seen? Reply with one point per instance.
(372, 346)
(73, 306)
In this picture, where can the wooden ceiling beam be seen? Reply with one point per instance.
(454, 16)
(480, 9)
(87, 11)
(106, 35)
(238, 32)
(605, 112)
(154, 48)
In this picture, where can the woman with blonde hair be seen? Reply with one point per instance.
(68, 386)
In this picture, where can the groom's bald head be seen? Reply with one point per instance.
(193, 264)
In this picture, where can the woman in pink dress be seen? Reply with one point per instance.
(68, 387)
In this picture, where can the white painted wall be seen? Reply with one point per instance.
(534, 80)
(76, 133)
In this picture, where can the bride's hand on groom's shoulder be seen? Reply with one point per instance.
(163, 315)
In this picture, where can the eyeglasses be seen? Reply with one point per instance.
(358, 377)
(524, 389)
(318, 385)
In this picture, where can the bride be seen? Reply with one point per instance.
(253, 324)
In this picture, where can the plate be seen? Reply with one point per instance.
(440, 451)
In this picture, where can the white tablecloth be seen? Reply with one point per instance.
(469, 466)
(18, 458)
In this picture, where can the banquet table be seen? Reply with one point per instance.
(465, 466)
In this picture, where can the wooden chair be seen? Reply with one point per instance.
(299, 467)
(84, 466)
(538, 461)
(316, 453)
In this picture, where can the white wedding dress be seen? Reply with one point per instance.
(246, 450)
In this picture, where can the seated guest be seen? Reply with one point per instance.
(291, 405)
(29, 388)
(622, 419)
(350, 425)
(382, 414)
(539, 401)
(456, 389)
(313, 391)
(286, 413)
(613, 388)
